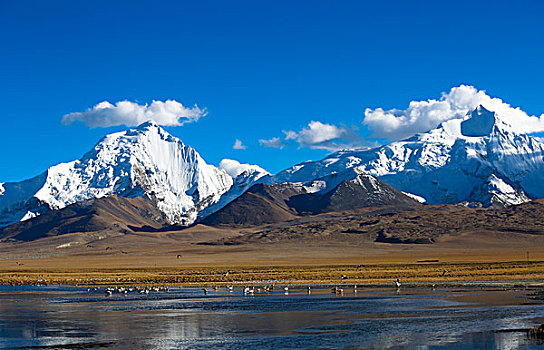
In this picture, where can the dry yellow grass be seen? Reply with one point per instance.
(314, 274)
(177, 258)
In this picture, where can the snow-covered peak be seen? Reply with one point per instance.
(148, 124)
(143, 161)
(475, 159)
(478, 123)
(481, 122)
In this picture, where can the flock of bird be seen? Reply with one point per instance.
(126, 290)
(247, 290)
(251, 290)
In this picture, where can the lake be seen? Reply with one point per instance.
(68, 317)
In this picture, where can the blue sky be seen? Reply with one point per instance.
(259, 68)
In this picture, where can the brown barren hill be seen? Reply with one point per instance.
(260, 204)
(266, 204)
(110, 213)
(424, 224)
(363, 191)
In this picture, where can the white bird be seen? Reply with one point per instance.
(397, 283)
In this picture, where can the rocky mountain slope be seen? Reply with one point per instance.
(263, 204)
(105, 216)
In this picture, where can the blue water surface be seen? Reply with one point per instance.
(68, 317)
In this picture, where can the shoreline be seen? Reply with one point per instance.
(511, 274)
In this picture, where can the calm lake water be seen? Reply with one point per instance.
(60, 317)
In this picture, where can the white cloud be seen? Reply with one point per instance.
(105, 114)
(235, 168)
(274, 142)
(318, 135)
(421, 116)
(238, 145)
(290, 135)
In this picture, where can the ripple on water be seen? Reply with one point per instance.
(70, 317)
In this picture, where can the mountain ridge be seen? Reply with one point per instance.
(264, 204)
(497, 168)
(475, 161)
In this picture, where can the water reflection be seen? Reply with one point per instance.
(381, 319)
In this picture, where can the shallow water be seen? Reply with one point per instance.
(60, 317)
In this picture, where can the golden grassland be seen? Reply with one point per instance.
(179, 258)
(518, 271)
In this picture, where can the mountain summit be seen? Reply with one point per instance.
(480, 123)
(478, 160)
(144, 161)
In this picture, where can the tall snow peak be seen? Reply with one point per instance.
(143, 161)
(480, 123)
(477, 159)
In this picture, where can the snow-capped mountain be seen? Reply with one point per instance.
(478, 160)
(242, 182)
(144, 161)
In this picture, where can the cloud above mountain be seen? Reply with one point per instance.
(318, 135)
(274, 142)
(105, 114)
(421, 116)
